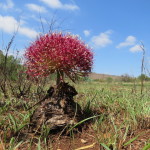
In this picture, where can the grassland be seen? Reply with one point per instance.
(117, 117)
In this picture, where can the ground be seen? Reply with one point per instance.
(120, 120)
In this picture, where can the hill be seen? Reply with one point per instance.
(102, 76)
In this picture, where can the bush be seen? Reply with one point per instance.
(127, 78)
(10, 68)
(109, 80)
(143, 77)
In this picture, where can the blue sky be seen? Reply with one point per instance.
(113, 28)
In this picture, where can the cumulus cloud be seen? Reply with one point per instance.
(136, 48)
(56, 4)
(36, 8)
(9, 24)
(27, 32)
(86, 32)
(129, 41)
(9, 4)
(102, 40)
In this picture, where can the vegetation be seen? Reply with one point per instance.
(120, 109)
(127, 78)
(115, 114)
(12, 67)
(143, 77)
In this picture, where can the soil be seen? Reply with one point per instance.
(140, 142)
(86, 140)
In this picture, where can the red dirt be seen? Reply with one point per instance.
(140, 142)
(89, 137)
(87, 141)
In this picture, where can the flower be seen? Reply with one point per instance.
(57, 51)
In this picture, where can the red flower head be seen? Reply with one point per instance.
(58, 52)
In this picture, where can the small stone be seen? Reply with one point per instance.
(83, 141)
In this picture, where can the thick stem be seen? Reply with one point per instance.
(60, 77)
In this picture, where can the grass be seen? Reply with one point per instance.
(120, 110)
(124, 109)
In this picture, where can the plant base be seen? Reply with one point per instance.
(59, 111)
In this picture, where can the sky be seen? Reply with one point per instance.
(114, 29)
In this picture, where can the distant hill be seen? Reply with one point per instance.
(102, 76)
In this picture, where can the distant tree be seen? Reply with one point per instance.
(1, 52)
(9, 68)
(12, 67)
(126, 78)
(143, 77)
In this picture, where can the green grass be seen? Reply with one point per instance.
(120, 108)
(123, 106)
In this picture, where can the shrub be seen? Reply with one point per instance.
(109, 79)
(127, 78)
(143, 77)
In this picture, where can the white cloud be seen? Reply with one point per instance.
(56, 4)
(9, 4)
(70, 6)
(136, 48)
(37, 8)
(86, 32)
(27, 32)
(102, 40)
(129, 41)
(9, 24)
(53, 3)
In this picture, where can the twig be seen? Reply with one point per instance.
(48, 95)
(142, 67)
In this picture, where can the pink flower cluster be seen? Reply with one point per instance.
(57, 51)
